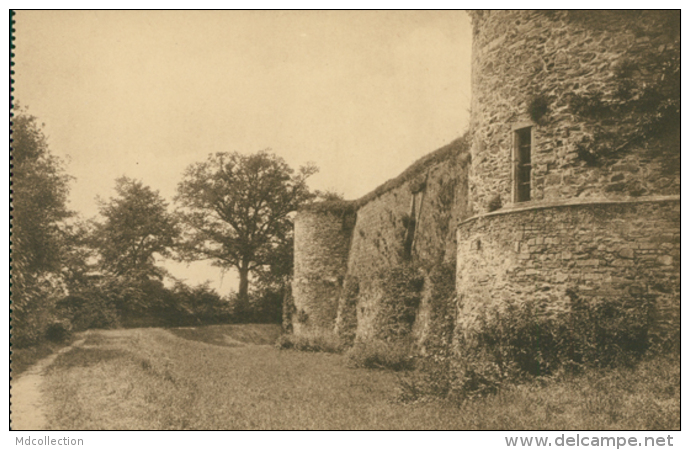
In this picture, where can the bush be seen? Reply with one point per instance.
(526, 340)
(88, 311)
(311, 341)
(516, 342)
(266, 305)
(59, 331)
(196, 305)
(33, 308)
(378, 354)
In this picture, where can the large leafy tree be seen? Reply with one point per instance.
(39, 194)
(136, 227)
(237, 210)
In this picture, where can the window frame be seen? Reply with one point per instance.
(517, 163)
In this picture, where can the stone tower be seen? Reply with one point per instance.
(575, 176)
(322, 243)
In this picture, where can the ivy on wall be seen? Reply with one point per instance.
(401, 289)
(641, 109)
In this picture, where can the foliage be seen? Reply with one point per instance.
(522, 341)
(650, 105)
(261, 306)
(271, 286)
(39, 193)
(79, 258)
(329, 196)
(59, 331)
(346, 321)
(537, 107)
(442, 308)
(137, 227)
(109, 302)
(33, 307)
(88, 310)
(437, 365)
(378, 354)
(288, 310)
(311, 341)
(266, 306)
(495, 203)
(236, 209)
(401, 288)
(199, 305)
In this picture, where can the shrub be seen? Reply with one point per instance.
(378, 354)
(33, 308)
(527, 339)
(88, 311)
(515, 342)
(200, 304)
(59, 331)
(266, 305)
(448, 376)
(311, 341)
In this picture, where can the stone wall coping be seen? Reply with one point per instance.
(532, 206)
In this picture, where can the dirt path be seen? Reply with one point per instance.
(27, 411)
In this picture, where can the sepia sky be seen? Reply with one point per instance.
(362, 94)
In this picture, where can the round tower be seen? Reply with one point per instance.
(574, 105)
(322, 243)
(575, 177)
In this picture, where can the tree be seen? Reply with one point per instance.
(237, 207)
(137, 227)
(39, 195)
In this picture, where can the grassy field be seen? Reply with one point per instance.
(225, 377)
(23, 358)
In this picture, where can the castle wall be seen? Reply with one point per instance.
(603, 218)
(322, 241)
(330, 262)
(522, 58)
(603, 215)
(598, 250)
(378, 242)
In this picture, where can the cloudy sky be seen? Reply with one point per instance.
(144, 94)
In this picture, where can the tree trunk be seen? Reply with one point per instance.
(244, 284)
(242, 310)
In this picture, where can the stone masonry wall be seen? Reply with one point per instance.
(330, 255)
(379, 234)
(322, 241)
(599, 250)
(520, 56)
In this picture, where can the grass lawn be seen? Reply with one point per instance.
(222, 377)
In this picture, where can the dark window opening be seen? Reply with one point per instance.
(523, 169)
